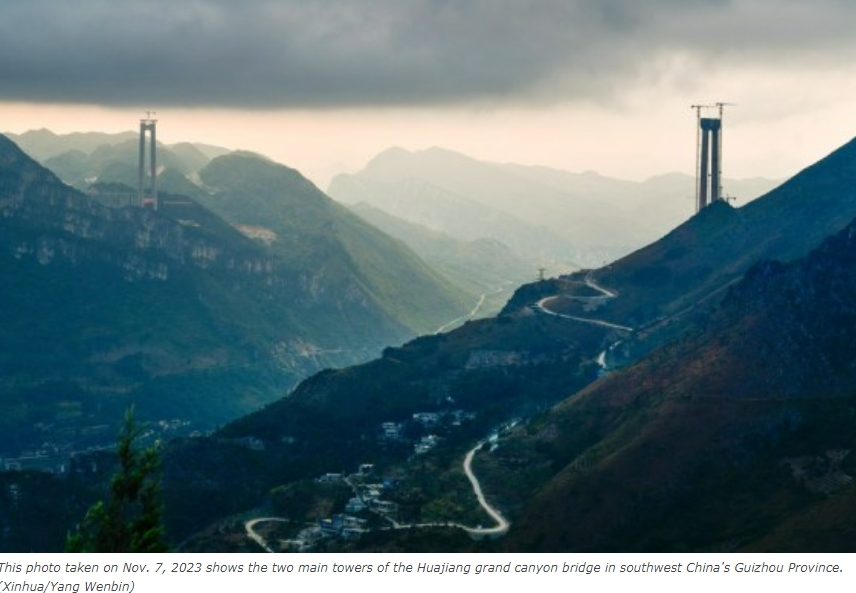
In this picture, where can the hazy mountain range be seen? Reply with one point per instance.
(79, 156)
(577, 219)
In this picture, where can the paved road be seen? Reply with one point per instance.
(542, 306)
(605, 294)
(250, 527)
(502, 524)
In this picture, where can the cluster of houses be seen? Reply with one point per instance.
(426, 443)
(396, 431)
(52, 458)
(367, 508)
(368, 497)
(342, 526)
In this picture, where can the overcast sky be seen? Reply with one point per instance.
(324, 84)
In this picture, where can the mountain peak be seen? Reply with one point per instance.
(247, 154)
(249, 169)
(398, 159)
(389, 159)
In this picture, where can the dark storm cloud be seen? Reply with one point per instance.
(387, 52)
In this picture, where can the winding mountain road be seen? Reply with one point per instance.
(498, 530)
(502, 523)
(250, 528)
(605, 294)
(543, 308)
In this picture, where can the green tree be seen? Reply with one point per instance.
(131, 518)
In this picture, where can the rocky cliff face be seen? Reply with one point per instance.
(68, 228)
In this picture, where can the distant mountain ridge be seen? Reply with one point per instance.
(438, 209)
(82, 158)
(584, 218)
(44, 144)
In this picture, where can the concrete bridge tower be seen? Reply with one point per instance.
(148, 177)
(710, 165)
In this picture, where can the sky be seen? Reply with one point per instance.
(324, 85)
